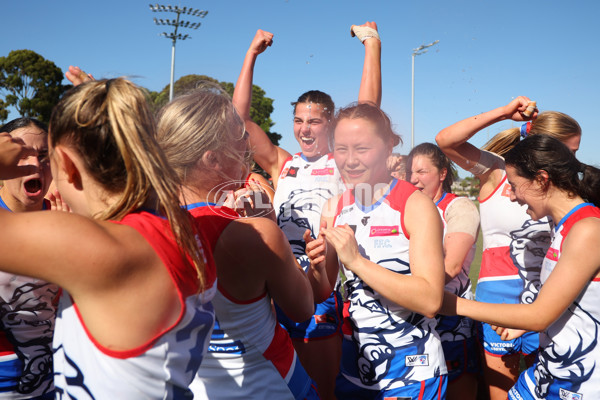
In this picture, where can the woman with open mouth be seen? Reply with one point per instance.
(250, 355)
(545, 175)
(433, 173)
(303, 182)
(387, 236)
(513, 242)
(134, 317)
(27, 305)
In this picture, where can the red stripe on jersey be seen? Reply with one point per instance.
(281, 359)
(496, 262)
(494, 191)
(6, 346)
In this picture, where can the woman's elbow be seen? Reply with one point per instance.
(433, 306)
(302, 313)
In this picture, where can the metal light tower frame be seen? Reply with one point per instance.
(176, 23)
(422, 49)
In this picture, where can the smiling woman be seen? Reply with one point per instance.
(303, 182)
(548, 178)
(387, 236)
(513, 242)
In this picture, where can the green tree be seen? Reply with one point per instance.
(32, 84)
(3, 112)
(260, 109)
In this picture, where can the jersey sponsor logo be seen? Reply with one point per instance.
(514, 394)
(418, 360)
(383, 244)
(567, 395)
(365, 220)
(324, 319)
(505, 190)
(552, 254)
(234, 347)
(384, 231)
(322, 171)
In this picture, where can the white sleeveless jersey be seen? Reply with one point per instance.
(250, 356)
(386, 346)
(453, 328)
(164, 367)
(302, 189)
(568, 362)
(513, 249)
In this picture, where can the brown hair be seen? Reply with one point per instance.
(552, 123)
(371, 112)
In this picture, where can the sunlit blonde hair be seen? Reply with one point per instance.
(551, 123)
(201, 120)
(110, 125)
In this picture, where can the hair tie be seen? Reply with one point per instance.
(525, 128)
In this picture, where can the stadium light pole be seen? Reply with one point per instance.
(176, 24)
(422, 49)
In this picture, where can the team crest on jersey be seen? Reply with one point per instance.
(322, 171)
(567, 395)
(384, 231)
(292, 172)
(418, 360)
(506, 190)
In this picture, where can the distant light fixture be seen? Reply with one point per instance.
(176, 23)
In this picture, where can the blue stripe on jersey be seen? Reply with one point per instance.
(3, 205)
(441, 198)
(10, 373)
(368, 209)
(200, 204)
(563, 219)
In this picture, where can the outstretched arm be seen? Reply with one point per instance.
(575, 269)
(266, 154)
(370, 84)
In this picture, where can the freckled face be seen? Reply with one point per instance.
(360, 153)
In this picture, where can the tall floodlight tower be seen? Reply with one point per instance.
(176, 24)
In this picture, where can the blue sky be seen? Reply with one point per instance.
(489, 52)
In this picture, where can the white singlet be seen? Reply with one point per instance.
(164, 367)
(385, 345)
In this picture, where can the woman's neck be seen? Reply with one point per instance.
(561, 204)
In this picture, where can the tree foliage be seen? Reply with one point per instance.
(260, 109)
(30, 83)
